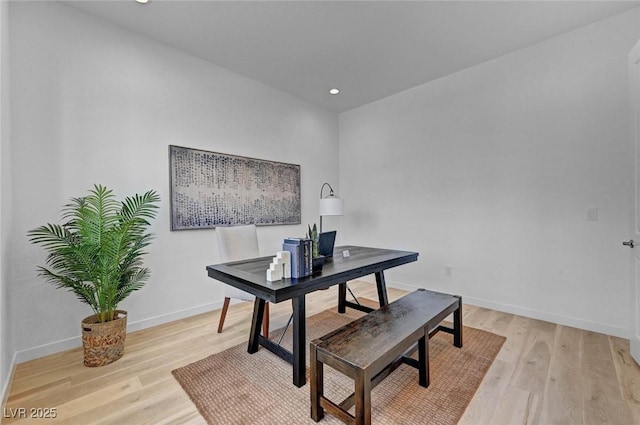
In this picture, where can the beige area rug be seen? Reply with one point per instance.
(235, 387)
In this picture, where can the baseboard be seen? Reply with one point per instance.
(634, 348)
(551, 317)
(76, 341)
(170, 317)
(527, 312)
(7, 384)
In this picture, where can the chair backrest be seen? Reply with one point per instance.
(237, 243)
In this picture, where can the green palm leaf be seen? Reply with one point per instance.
(97, 253)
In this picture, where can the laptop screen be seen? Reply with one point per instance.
(326, 240)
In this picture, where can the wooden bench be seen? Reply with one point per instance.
(371, 347)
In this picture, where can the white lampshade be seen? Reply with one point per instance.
(331, 205)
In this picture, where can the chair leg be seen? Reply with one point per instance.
(265, 321)
(223, 314)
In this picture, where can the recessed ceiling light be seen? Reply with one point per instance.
(143, 1)
(334, 91)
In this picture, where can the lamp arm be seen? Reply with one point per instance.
(322, 188)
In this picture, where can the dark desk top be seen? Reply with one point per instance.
(250, 275)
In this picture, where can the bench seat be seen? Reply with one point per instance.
(371, 347)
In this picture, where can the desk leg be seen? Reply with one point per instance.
(342, 297)
(382, 289)
(457, 324)
(423, 361)
(299, 342)
(256, 323)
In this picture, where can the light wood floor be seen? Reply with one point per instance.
(544, 374)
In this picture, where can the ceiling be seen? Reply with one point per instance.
(367, 49)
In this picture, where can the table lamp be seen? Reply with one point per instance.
(330, 205)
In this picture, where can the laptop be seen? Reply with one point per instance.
(326, 240)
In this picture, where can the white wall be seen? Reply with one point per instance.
(6, 343)
(490, 171)
(94, 103)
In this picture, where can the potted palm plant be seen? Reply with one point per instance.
(97, 255)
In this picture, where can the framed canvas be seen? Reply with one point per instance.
(210, 189)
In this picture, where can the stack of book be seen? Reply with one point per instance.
(301, 256)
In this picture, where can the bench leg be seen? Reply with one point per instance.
(423, 360)
(316, 376)
(457, 324)
(363, 398)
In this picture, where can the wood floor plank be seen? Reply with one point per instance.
(480, 317)
(482, 408)
(603, 402)
(67, 411)
(628, 373)
(517, 407)
(499, 322)
(161, 402)
(516, 334)
(563, 402)
(533, 366)
(138, 401)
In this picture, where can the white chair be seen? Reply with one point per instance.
(239, 243)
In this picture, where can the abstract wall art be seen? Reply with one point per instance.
(210, 189)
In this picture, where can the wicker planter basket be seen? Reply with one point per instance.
(103, 343)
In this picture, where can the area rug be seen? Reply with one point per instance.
(235, 387)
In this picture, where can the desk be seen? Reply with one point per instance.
(250, 276)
